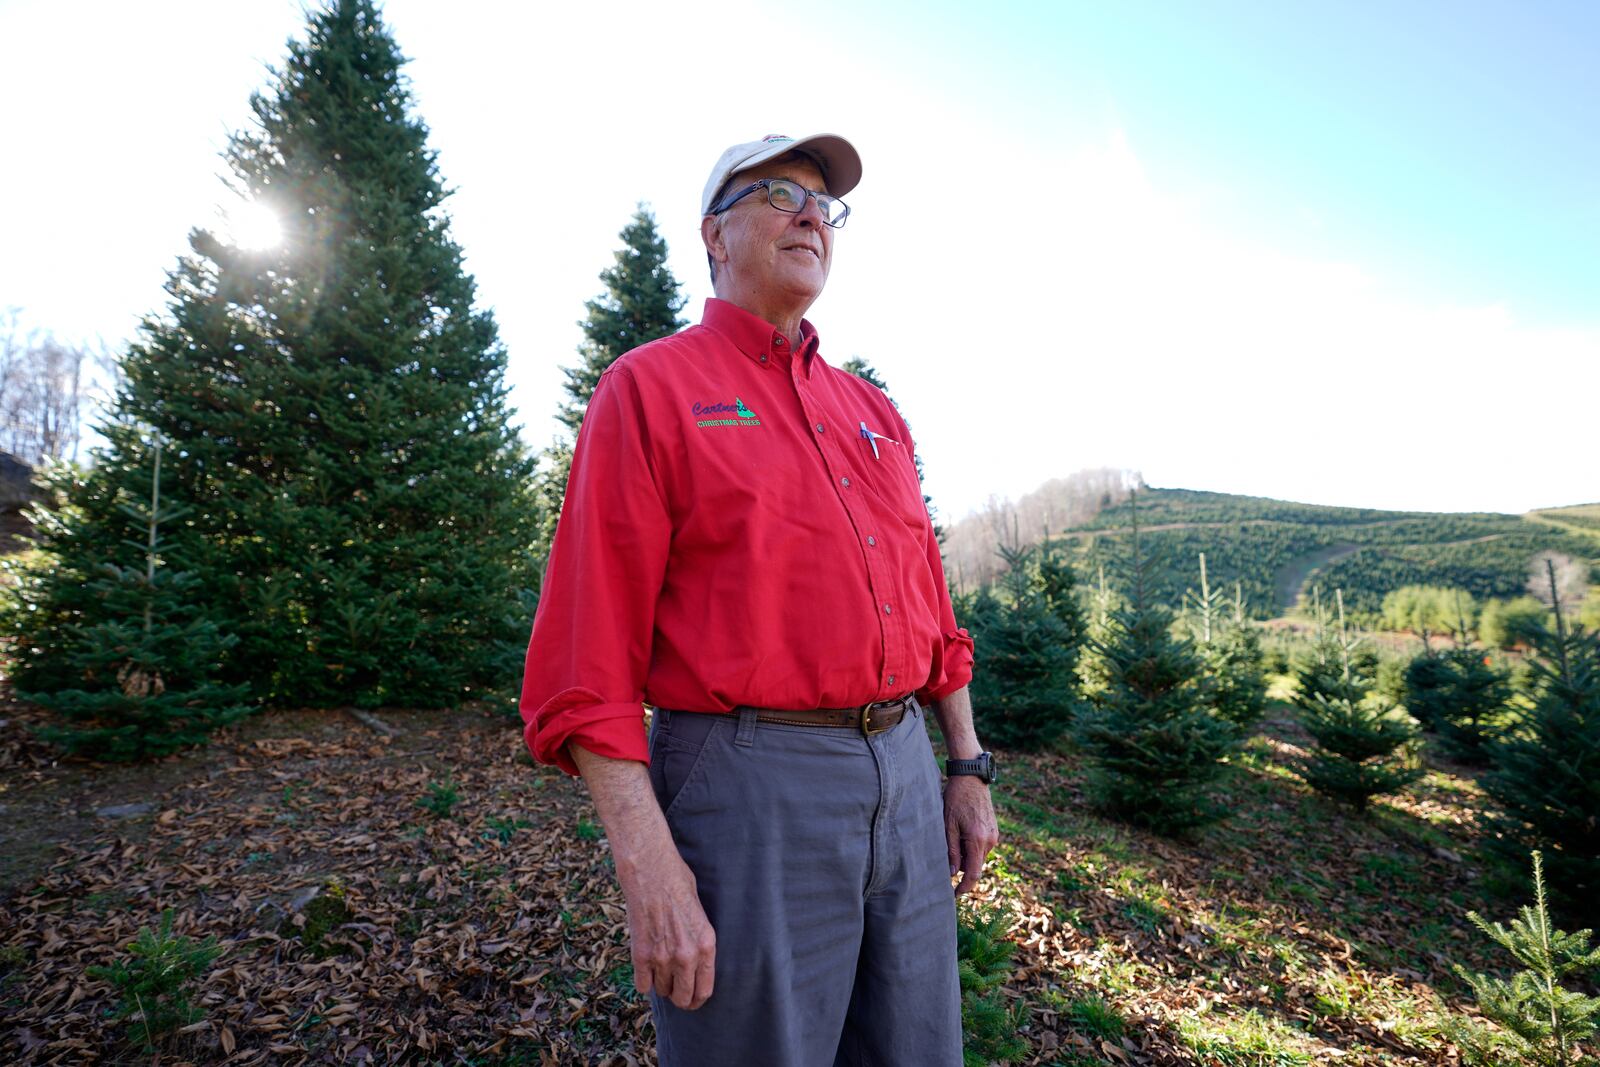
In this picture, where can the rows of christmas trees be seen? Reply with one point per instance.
(1158, 703)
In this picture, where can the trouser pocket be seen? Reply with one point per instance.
(678, 744)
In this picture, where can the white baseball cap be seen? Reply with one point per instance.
(836, 158)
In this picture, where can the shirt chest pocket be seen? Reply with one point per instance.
(891, 476)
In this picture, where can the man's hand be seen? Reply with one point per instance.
(969, 824)
(674, 947)
(969, 828)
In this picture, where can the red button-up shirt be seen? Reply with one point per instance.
(730, 537)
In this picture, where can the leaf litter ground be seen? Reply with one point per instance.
(436, 898)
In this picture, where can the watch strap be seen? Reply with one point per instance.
(981, 767)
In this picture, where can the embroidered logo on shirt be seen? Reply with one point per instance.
(709, 416)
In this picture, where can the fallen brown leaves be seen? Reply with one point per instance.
(490, 931)
(498, 933)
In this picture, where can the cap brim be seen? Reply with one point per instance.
(835, 157)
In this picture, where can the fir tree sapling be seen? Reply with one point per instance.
(1542, 1022)
(1230, 647)
(1362, 744)
(153, 981)
(1153, 744)
(1024, 686)
(336, 409)
(1546, 778)
(1097, 630)
(1460, 695)
(143, 671)
(989, 1025)
(1318, 664)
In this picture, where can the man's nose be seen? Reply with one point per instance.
(812, 213)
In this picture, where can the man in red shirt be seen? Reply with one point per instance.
(745, 547)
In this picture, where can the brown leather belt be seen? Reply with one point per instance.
(868, 718)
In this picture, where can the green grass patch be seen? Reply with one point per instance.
(1244, 1040)
(1093, 1015)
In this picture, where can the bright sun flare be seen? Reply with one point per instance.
(254, 225)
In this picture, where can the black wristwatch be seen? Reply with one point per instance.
(983, 767)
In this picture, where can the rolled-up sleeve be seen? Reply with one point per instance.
(590, 648)
(952, 663)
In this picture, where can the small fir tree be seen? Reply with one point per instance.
(153, 981)
(1092, 669)
(1057, 584)
(1152, 742)
(989, 1025)
(1464, 697)
(143, 671)
(1024, 688)
(1230, 647)
(1543, 1023)
(1319, 663)
(1428, 681)
(641, 302)
(1547, 774)
(1363, 745)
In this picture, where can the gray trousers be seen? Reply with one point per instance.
(819, 856)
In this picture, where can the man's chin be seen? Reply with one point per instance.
(807, 283)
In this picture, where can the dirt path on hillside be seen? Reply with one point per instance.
(1292, 575)
(1564, 527)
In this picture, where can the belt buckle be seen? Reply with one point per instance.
(867, 729)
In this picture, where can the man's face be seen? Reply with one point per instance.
(776, 254)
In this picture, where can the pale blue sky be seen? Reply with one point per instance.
(1284, 249)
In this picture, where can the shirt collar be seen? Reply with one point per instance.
(758, 338)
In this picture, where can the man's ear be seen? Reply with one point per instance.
(711, 236)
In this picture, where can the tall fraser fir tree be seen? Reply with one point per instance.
(641, 302)
(360, 508)
(1154, 746)
(1547, 774)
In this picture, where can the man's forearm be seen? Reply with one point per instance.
(628, 810)
(955, 723)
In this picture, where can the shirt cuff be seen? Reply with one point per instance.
(606, 729)
(952, 672)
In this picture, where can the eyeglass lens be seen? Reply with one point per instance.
(791, 196)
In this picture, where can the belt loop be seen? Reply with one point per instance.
(661, 718)
(746, 734)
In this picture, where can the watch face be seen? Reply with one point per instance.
(990, 772)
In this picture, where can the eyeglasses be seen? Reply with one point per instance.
(790, 196)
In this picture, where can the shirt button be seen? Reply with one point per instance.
(845, 482)
(891, 679)
(887, 610)
(872, 540)
(819, 427)
(763, 359)
(777, 342)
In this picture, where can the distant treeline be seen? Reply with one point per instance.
(1272, 549)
